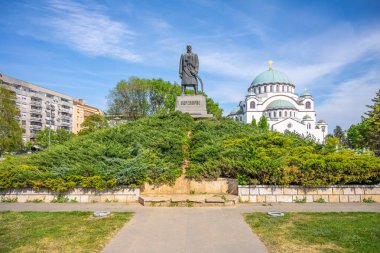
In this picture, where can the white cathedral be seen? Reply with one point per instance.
(272, 94)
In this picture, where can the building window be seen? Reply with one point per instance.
(252, 105)
(308, 126)
(308, 105)
(271, 88)
(274, 114)
(280, 114)
(269, 114)
(283, 88)
(265, 88)
(278, 88)
(290, 125)
(286, 114)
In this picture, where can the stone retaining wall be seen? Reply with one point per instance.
(344, 193)
(187, 186)
(80, 195)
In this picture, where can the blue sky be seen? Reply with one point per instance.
(83, 48)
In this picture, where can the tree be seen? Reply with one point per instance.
(254, 123)
(142, 97)
(332, 142)
(213, 108)
(92, 123)
(357, 135)
(56, 137)
(366, 134)
(10, 131)
(263, 123)
(338, 133)
(138, 98)
(373, 121)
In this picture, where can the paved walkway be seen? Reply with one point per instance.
(204, 229)
(192, 230)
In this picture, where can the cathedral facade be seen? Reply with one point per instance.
(272, 94)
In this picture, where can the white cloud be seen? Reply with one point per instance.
(345, 105)
(86, 29)
(310, 59)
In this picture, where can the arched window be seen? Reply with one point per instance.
(283, 88)
(287, 88)
(308, 105)
(308, 126)
(274, 114)
(278, 88)
(286, 114)
(265, 88)
(279, 114)
(252, 105)
(271, 88)
(269, 114)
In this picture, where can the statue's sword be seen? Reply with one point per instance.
(196, 75)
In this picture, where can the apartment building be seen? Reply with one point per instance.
(80, 112)
(40, 107)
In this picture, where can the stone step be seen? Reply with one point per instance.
(188, 200)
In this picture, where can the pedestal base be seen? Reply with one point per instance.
(195, 105)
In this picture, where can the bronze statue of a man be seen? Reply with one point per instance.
(188, 70)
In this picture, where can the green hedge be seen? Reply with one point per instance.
(236, 150)
(148, 150)
(153, 149)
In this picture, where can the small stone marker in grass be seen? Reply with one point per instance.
(101, 213)
(276, 214)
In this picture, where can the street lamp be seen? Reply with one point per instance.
(323, 131)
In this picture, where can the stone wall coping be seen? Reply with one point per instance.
(74, 191)
(299, 186)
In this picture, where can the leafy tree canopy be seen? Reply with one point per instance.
(366, 134)
(263, 123)
(10, 131)
(138, 98)
(93, 122)
(56, 137)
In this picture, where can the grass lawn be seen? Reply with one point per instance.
(318, 232)
(57, 231)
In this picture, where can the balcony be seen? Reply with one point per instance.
(35, 127)
(66, 117)
(36, 119)
(36, 103)
(37, 111)
(64, 110)
(36, 96)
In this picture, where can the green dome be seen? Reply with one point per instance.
(305, 93)
(251, 93)
(237, 110)
(280, 104)
(306, 117)
(271, 76)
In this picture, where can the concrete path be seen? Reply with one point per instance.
(203, 229)
(240, 208)
(192, 230)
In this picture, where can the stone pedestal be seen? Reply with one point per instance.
(195, 105)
